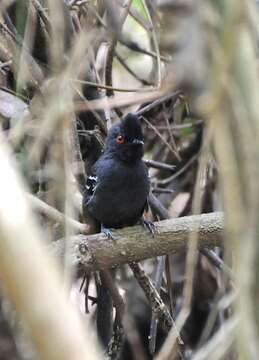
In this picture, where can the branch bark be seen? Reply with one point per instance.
(134, 244)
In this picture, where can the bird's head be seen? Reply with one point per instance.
(125, 139)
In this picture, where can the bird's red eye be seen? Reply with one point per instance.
(120, 139)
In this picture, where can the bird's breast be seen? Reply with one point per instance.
(120, 195)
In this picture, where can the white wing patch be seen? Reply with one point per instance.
(91, 184)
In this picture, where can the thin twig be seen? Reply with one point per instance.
(130, 71)
(111, 49)
(168, 266)
(218, 262)
(156, 303)
(162, 138)
(108, 87)
(117, 339)
(140, 19)
(154, 36)
(56, 215)
(220, 305)
(118, 100)
(153, 325)
(159, 165)
(159, 190)
(172, 96)
(220, 343)
(157, 207)
(179, 172)
(134, 46)
(169, 347)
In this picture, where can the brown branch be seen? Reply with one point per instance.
(134, 244)
(56, 215)
(157, 304)
(159, 165)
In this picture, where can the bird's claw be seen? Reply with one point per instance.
(107, 232)
(149, 226)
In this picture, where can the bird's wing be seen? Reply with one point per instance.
(90, 187)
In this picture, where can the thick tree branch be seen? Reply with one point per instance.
(136, 244)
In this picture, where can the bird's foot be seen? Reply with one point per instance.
(149, 226)
(107, 232)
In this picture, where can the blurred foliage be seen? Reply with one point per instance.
(54, 114)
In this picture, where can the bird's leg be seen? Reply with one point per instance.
(148, 225)
(107, 232)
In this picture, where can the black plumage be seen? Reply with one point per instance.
(117, 189)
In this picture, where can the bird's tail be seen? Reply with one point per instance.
(104, 316)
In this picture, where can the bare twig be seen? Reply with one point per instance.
(134, 46)
(220, 343)
(112, 88)
(119, 100)
(157, 207)
(156, 303)
(179, 172)
(159, 165)
(130, 71)
(218, 262)
(56, 215)
(169, 347)
(153, 325)
(112, 47)
(172, 96)
(117, 339)
(156, 45)
(162, 138)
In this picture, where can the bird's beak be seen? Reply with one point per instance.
(138, 142)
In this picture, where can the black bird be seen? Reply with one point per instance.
(117, 189)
